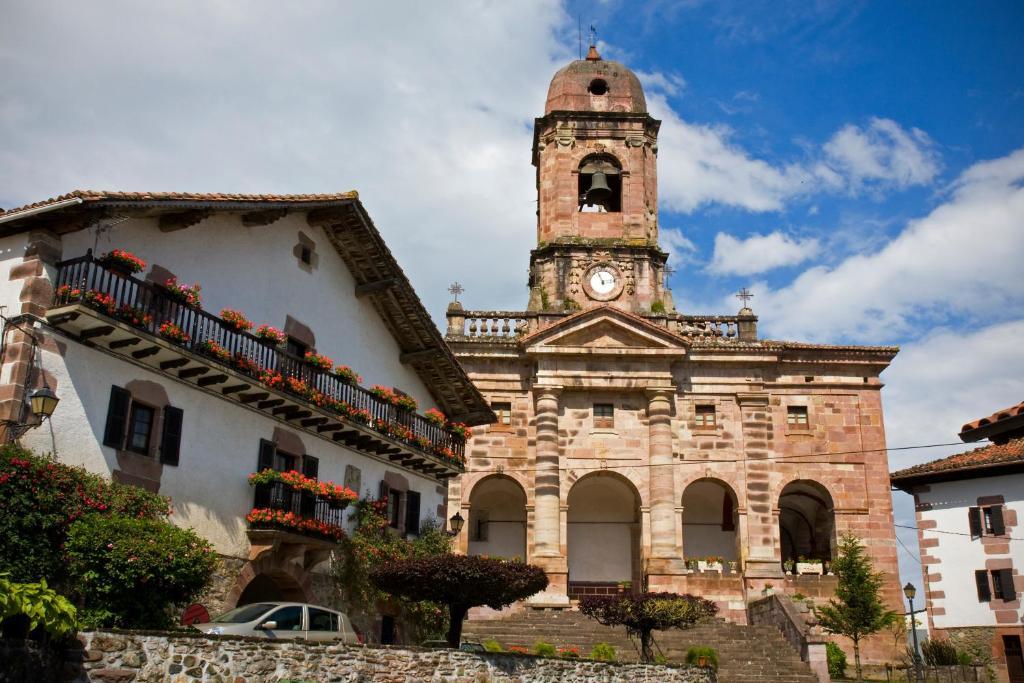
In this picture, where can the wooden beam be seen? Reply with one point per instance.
(212, 379)
(415, 356)
(348, 436)
(411, 461)
(175, 363)
(254, 396)
(326, 216)
(263, 405)
(446, 475)
(314, 421)
(169, 222)
(375, 286)
(64, 318)
(193, 372)
(395, 457)
(257, 218)
(143, 353)
(122, 343)
(333, 427)
(286, 410)
(233, 388)
(299, 414)
(91, 333)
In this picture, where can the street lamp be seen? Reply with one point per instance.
(456, 521)
(910, 592)
(43, 402)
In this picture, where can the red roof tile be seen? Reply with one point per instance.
(1003, 414)
(994, 454)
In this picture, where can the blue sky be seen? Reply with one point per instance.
(859, 166)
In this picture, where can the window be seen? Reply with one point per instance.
(394, 508)
(140, 424)
(297, 348)
(322, 620)
(705, 417)
(604, 416)
(287, 618)
(1002, 585)
(981, 581)
(504, 413)
(987, 521)
(796, 417)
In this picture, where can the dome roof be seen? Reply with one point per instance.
(595, 84)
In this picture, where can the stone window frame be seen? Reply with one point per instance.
(798, 409)
(603, 423)
(501, 426)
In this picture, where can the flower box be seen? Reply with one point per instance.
(185, 294)
(809, 568)
(706, 566)
(122, 262)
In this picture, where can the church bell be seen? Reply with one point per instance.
(599, 192)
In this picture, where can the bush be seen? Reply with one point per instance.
(836, 660)
(939, 653)
(694, 654)
(491, 645)
(603, 652)
(131, 571)
(40, 499)
(544, 649)
(26, 607)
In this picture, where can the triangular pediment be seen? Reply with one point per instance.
(604, 330)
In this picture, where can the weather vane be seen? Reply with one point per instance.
(455, 289)
(745, 296)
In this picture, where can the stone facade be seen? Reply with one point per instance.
(635, 440)
(123, 657)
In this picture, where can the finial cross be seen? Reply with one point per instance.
(593, 35)
(744, 295)
(455, 289)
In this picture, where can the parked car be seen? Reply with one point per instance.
(465, 646)
(283, 620)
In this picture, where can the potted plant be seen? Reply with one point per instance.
(271, 335)
(234, 320)
(788, 565)
(691, 564)
(319, 361)
(768, 589)
(406, 402)
(734, 566)
(122, 262)
(174, 333)
(185, 294)
(347, 374)
(435, 417)
(808, 565)
(711, 563)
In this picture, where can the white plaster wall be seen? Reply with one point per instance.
(504, 539)
(220, 445)
(959, 555)
(600, 551)
(12, 251)
(702, 522)
(254, 270)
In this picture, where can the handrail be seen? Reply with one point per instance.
(285, 498)
(151, 305)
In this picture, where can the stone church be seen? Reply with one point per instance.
(639, 446)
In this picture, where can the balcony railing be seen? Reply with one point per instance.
(304, 506)
(147, 306)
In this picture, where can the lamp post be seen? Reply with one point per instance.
(910, 592)
(456, 521)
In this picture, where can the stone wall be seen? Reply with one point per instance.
(109, 657)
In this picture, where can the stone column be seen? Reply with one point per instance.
(547, 504)
(762, 556)
(665, 559)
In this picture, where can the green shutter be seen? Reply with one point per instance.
(117, 417)
(170, 441)
(412, 513)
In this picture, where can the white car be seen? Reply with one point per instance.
(284, 620)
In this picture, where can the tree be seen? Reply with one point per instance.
(647, 612)
(460, 582)
(857, 611)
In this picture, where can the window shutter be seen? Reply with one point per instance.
(981, 579)
(974, 518)
(311, 466)
(382, 492)
(117, 417)
(265, 461)
(412, 513)
(1005, 578)
(170, 441)
(998, 526)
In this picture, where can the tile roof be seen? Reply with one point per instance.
(979, 458)
(1004, 414)
(106, 195)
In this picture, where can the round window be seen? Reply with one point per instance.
(598, 86)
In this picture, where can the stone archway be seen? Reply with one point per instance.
(603, 534)
(807, 525)
(497, 518)
(270, 578)
(710, 520)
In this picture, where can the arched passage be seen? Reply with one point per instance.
(807, 525)
(497, 518)
(267, 588)
(603, 533)
(270, 577)
(709, 520)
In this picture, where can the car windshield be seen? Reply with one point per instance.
(241, 615)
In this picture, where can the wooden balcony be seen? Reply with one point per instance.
(123, 316)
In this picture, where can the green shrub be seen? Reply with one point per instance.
(491, 645)
(836, 660)
(40, 499)
(694, 654)
(36, 606)
(657, 307)
(939, 653)
(603, 652)
(130, 572)
(544, 649)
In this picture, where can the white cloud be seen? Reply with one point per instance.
(883, 152)
(962, 259)
(680, 249)
(759, 253)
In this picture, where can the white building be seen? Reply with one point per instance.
(970, 510)
(191, 419)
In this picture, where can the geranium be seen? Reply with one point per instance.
(263, 517)
(212, 348)
(348, 374)
(461, 429)
(297, 386)
(446, 453)
(186, 294)
(360, 415)
(174, 333)
(100, 301)
(406, 402)
(124, 259)
(436, 417)
(384, 393)
(569, 652)
(518, 649)
(134, 316)
(318, 360)
(271, 334)
(235, 320)
(245, 364)
(272, 378)
(68, 292)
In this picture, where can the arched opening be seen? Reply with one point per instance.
(709, 521)
(600, 184)
(807, 524)
(268, 588)
(603, 534)
(497, 518)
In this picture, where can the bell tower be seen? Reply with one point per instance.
(595, 150)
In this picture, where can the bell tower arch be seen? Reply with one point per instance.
(595, 150)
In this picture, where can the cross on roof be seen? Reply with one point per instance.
(593, 35)
(455, 289)
(744, 295)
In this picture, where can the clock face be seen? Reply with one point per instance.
(602, 281)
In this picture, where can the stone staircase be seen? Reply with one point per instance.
(746, 654)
